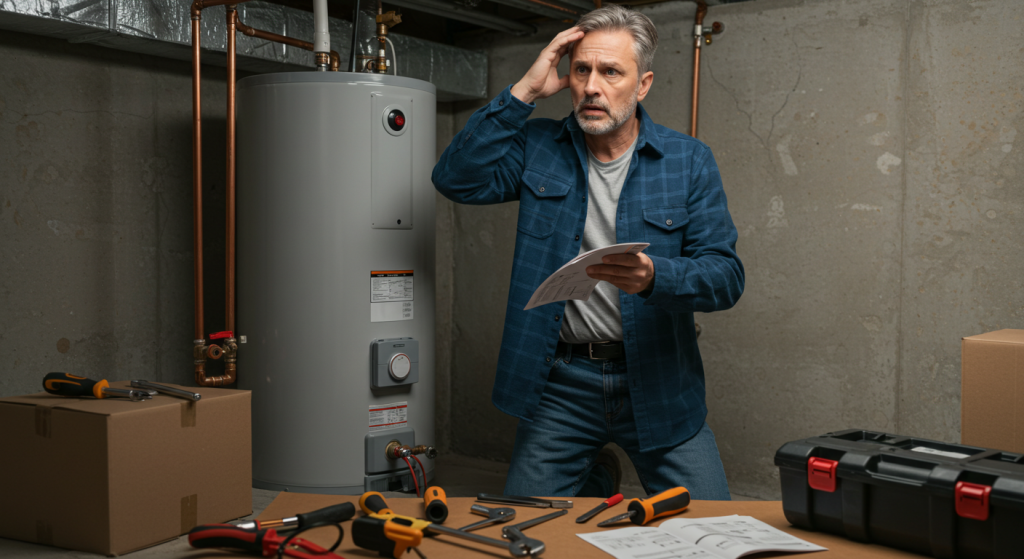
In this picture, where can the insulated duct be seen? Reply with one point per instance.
(162, 28)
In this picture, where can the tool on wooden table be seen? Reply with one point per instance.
(63, 384)
(391, 534)
(267, 543)
(523, 501)
(169, 390)
(515, 534)
(435, 505)
(642, 511)
(609, 502)
(496, 515)
(327, 515)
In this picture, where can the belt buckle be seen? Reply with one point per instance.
(590, 351)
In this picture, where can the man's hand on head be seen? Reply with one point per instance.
(631, 273)
(541, 80)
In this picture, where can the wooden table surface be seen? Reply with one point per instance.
(558, 535)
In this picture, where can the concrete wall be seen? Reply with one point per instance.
(96, 212)
(867, 149)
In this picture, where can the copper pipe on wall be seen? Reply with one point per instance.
(197, 180)
(199, 352)
(698, 42)
(290, 41)
(229, 175)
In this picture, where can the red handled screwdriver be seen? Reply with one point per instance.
(609, 502)
(642, 511)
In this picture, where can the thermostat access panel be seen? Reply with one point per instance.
(395, 362)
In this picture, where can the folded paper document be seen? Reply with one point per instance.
(723, 537)
(571, 280)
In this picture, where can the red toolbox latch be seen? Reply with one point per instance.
(821, 474)
(972, 500)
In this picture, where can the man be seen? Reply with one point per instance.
(622, 367)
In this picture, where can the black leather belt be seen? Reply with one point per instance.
(594, 350)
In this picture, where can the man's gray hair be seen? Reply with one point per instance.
(614, 17)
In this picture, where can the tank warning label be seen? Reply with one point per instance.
(389, 416)
(391, 286)
(391, 295)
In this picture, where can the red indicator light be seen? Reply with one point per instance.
(400, 121)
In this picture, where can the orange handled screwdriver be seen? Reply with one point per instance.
(435, 505)
(642, 511)
(63, 384)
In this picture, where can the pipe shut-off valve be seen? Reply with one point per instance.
(702, 33)
(397, 451)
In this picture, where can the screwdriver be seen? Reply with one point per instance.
(392, 534)
(609, 502)
(435, 505)
(642, 511)
(334, 514)
(63, 384)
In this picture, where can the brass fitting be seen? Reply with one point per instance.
(214, 351)
(231, 351)
(199, 351)
(323, 61)
(428, 451)
(396, 450)
(384, 22)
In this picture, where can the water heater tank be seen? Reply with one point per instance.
(336, 276)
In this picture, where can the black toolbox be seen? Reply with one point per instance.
(934, 498)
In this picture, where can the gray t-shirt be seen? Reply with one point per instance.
(599, 319)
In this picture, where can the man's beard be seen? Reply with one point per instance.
(594, 124)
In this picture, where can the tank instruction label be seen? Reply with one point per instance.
(391, 295)
(388, 416)
(391, 286)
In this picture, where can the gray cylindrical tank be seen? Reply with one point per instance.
(336, 276)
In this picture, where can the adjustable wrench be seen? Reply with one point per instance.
(169, 390)
(497, 515)
(515, 535)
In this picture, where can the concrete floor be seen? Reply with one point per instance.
(460, 476)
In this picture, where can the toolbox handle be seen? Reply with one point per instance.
(900, 469)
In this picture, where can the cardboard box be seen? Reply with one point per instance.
(992, 395)
(111, 476)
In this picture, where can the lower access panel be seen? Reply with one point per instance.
(382, 473)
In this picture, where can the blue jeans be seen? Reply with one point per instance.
(585, 406)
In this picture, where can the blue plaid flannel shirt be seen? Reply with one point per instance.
(672, 199)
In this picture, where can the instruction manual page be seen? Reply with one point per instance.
(571, 280)
(723, 537)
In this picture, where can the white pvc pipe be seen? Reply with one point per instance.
(321, 36)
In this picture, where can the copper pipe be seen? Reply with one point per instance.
(200, 348)
(698, 39)
(696, 92)
(290, 41)
(197, 180)
(229, 275)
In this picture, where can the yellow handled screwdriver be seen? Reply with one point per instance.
(63, 384)
(391, 534)
(642, 511)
